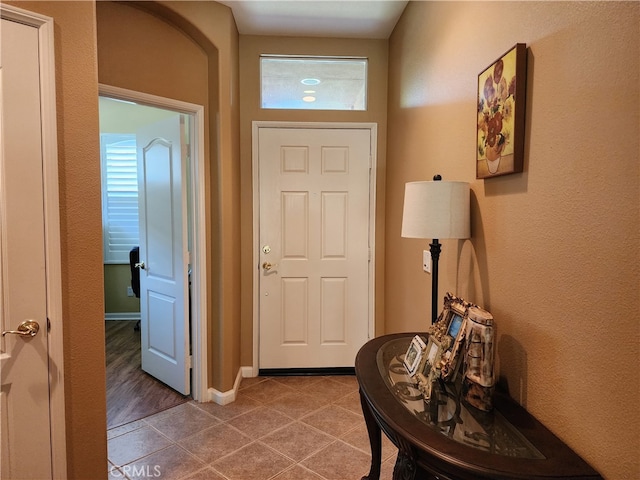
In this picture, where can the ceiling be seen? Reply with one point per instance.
(317, 18)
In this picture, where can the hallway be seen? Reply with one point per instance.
(280, 428)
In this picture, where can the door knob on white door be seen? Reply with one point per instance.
(268, 266)
(28, 328)
(139, 265)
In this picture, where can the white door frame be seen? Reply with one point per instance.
(199, 334)
(53, 262)
(256, 125)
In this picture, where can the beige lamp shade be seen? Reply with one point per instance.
(436, 209)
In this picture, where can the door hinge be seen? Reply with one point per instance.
(190, 361)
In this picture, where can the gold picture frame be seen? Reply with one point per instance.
(431, 369)
(450, 331)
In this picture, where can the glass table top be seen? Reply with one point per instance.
(446, 413)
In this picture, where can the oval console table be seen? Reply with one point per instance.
(446, 439)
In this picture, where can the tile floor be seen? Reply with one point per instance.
(279, 428)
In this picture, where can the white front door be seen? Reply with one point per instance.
(314, 232)
(25, 430)
(164, 306)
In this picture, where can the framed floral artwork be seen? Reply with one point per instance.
(501, 113)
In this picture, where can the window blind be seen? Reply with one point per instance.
(119, 196)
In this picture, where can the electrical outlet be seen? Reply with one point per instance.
(129, 292)
(426, 261)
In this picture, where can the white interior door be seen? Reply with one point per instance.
(314, 238)
(24, 382)
(163, 254)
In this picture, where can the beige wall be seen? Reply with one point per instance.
(554, 250)
(76, 56)
(188, 51)
(212, 24)
(81, 233)
(116, 280)
(251, 47)
(144, 53)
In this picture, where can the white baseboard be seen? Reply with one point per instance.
(122, 316)
(224, 398)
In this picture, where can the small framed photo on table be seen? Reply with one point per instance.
(414, 356)
(433, 353)
(431, 370)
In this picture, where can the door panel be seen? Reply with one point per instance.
(24, 383)
(314, 219)
(163, 250)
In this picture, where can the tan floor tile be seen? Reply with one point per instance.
(172, 462)
(172, 411)
(386, 470)
(328, 389)
(240, 406)
(188, 421)
(351, 402)
(260, 422)
(298, 472)
(115, 473)
(253, 462)
(136, 444)
(297, 382)
(213, 443)
(297, 405)
(359, 438)
(205, 474)
(333, 420)
(267, 391)
(297, 441)
(339, 461)
(274, 422)
(349, 380)
(250, 381)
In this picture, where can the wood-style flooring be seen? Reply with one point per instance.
(131, 393)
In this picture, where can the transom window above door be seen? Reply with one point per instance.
(313, 83)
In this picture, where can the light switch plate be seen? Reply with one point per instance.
(426, 261)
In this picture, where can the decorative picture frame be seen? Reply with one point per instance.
(414, 356)
(450, 331)
(431, 369)
(501, 114)
(432, 353)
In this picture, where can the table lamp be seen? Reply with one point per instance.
(436, 210)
